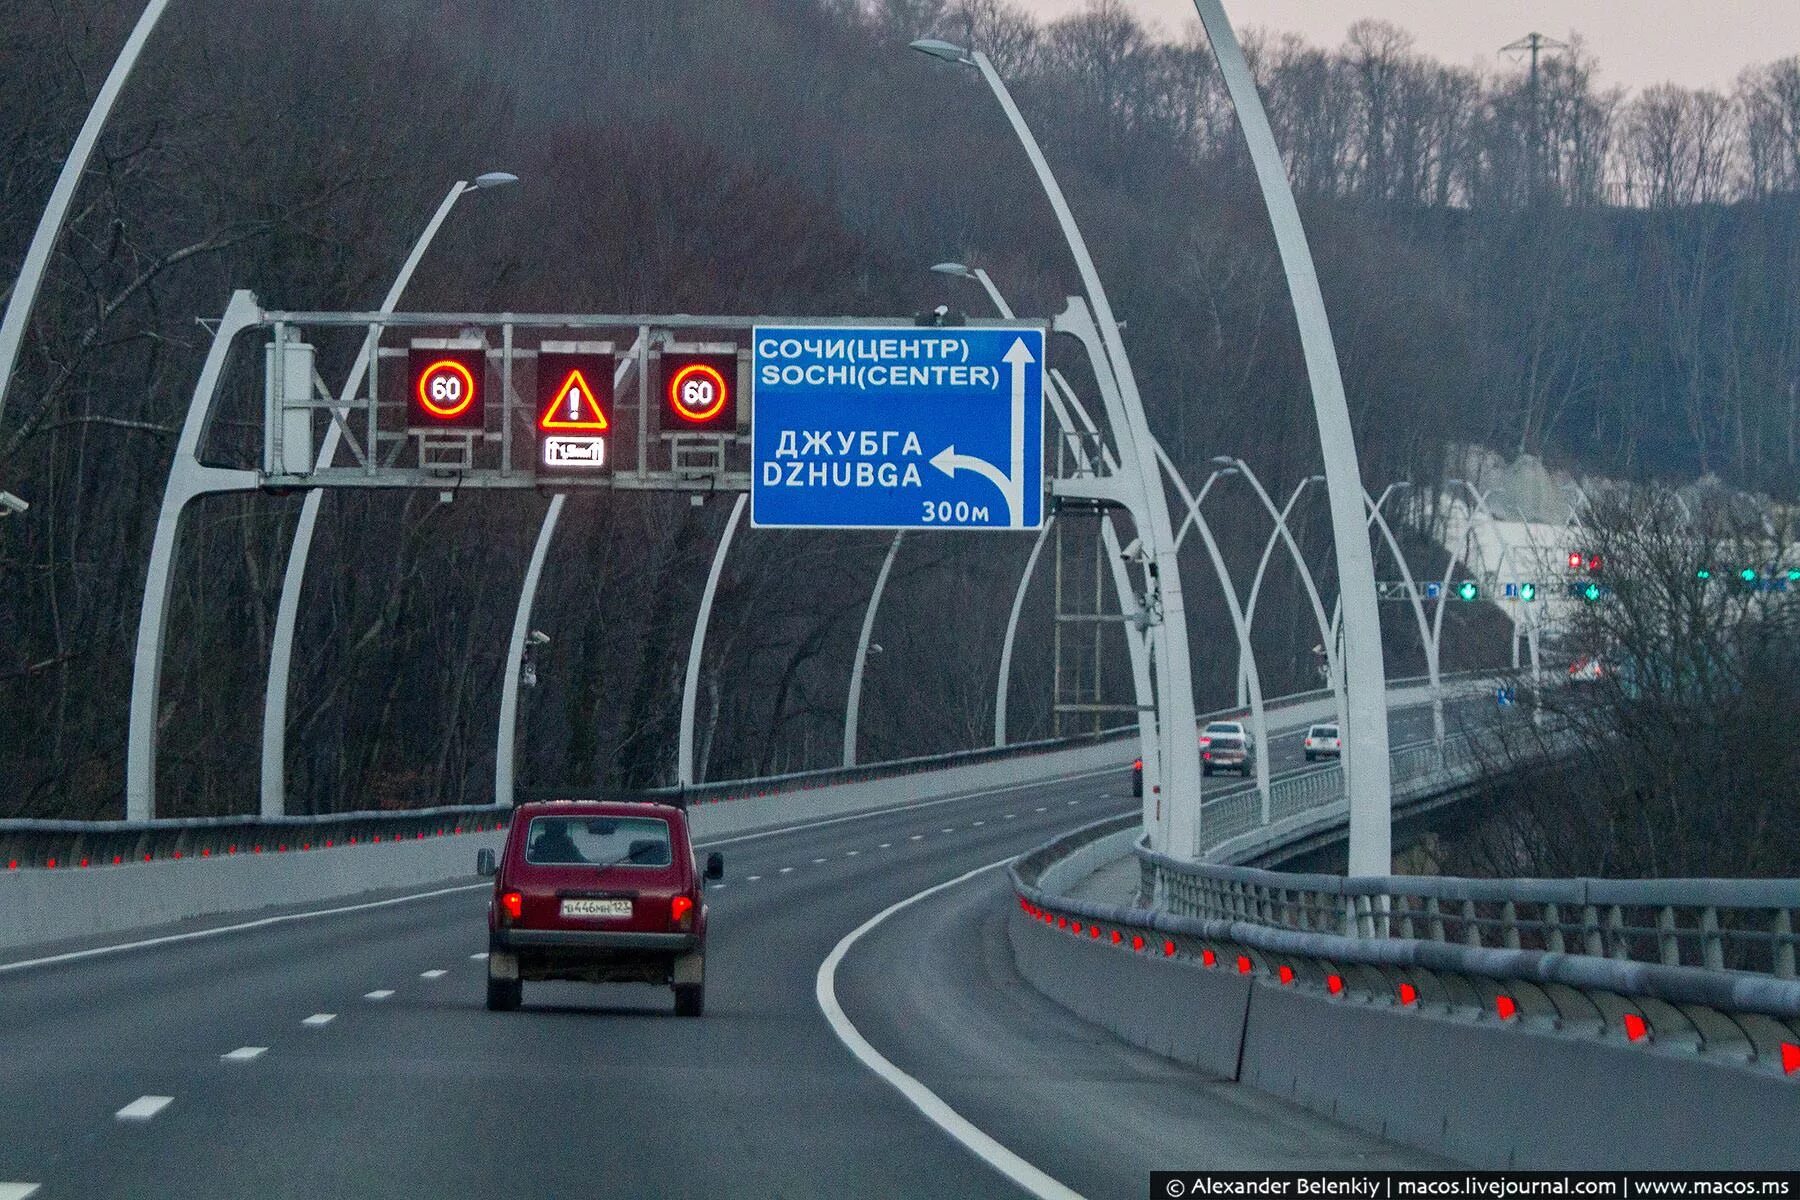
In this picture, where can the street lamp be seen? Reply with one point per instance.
(1067, 407)
(1177, 744)
(281, 648)
(1262, 566)
(37, 255)
(1353, 754)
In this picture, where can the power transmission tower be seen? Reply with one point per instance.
(1533, 43)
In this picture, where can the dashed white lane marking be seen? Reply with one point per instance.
(979, 824)
(1073, 803)
(378, 994)
(16, 1191)
(481, 956)
(318, 1019)
(923, 1098)
(244, 1054)
(851, 853)
(1039, 808)
(434, 973)
(1106, 795)
(818, 860)
(1010, 816)
(884, 845)
(916, 837)
(784, 871)
(144, 1107)
(951, 829)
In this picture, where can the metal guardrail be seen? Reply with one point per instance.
(27, 844)
(1738, 1018)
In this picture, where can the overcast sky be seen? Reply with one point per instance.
(1638, 42)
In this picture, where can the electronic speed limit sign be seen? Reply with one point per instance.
(446, 388)
(699, 392)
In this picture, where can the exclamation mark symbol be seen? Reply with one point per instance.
(574, 404)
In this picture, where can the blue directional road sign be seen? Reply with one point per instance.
(860, 427)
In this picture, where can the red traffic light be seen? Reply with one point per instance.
(699, 392)
(1594, 564)
(1575, 560)
(446, 388)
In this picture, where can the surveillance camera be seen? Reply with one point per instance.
(11, 504)
(538, 638)
(1131, 549)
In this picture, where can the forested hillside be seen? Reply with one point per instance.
(1615, 291)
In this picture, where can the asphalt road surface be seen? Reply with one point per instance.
(351, 1054)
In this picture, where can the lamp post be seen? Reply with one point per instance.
(1178, 744)
(49, 226)
(1352, 753)
(1068, 410)
(1262, 565)
(281, 648)
(853, 706)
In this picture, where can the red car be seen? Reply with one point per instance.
(601, 892)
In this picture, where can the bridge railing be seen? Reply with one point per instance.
(28, 843)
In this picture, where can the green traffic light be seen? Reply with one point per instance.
(1528, 592)
(1794, 575)
(1703, 574)
(1592, 591)
(1467, 589)
(1748, 574)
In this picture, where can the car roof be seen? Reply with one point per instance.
(597, 808)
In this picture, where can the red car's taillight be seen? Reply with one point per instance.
(1207, 755)
(681, 911)
(1138, 765)
(512, 904)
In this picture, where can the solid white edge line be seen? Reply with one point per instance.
(928, 1102)
(17, 1191)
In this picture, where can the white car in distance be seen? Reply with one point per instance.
(1322, 741)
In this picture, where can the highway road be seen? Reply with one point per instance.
(350, 1054)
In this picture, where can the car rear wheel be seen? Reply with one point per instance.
(504, 995)
(690, 999)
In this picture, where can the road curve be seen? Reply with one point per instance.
(351, 1055)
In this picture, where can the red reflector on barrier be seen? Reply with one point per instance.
(206, 852)
(1208, 959)
(50, 864)
(1075, 927)
(258, 850)
(1094, 931)
(12, 864)
(1137, 942)
(306, 845)
(1790, 1058)
(231, 849)
(177, 854)
(1334, 984)
(1636, 1029)
(117, 859)
(328, 843)
(1062, 922)
(1505, 1006)
(1287, 974)
(1117, 937)
(1409, 995)
(1168, 949)
(84, 862)
(1243, 964)
(146, 858)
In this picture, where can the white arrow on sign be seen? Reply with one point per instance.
(1012, 486)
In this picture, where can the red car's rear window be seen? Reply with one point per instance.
(598, 842)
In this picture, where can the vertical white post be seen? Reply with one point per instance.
(853, 707)
(506, 740)
(37, 255)
(188, 478)
(1365, 737)
(287, 610)
(690, 688)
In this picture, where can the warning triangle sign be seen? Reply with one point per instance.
(573, 407)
